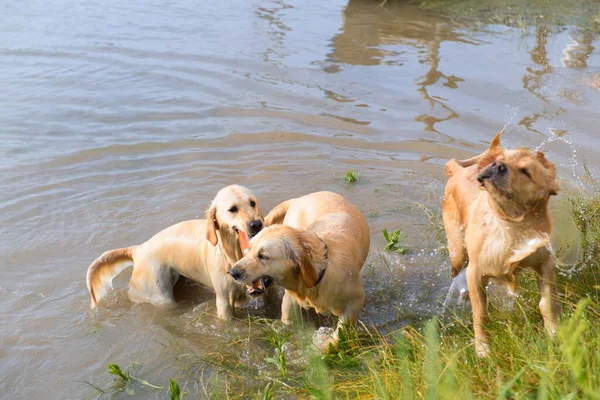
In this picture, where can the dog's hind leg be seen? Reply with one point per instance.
(548, 303)
(455, 235)
(152, 283)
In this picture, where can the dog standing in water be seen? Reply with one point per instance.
(201, 250)
(497, 221)
(316, 255)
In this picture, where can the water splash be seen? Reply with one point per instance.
(457, 299)
(499, 293)
(573, 163)
(565, 269)
(515, 112)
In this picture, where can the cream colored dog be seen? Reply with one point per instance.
(316, 255)
(201, 250)
(495, 213)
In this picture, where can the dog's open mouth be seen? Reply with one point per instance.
(259, 286)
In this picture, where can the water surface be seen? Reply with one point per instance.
(119, 119)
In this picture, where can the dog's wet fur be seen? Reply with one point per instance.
(497, 221)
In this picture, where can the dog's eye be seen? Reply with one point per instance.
(252, 203)
(526, 172)
(261, 256)
(233, 209)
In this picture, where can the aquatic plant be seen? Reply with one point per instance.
(127, 378)
(278, 341)
(174, 390)
(394, 241)
(350, 176)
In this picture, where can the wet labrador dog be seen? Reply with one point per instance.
(200, 250)
(495, 212)
(316, 255)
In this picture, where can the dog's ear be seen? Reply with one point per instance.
(317, 248)
(495, 145)
(493, 152)
(308, 273)
(482, 160)
(314, 250)
(211, 225)
(541, 157)
(553, 186)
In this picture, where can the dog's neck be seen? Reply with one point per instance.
(510, 212)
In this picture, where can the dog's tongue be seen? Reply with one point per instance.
(244, 242)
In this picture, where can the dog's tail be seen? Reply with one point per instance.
(102, 271)
(483, 159)
(277, 214)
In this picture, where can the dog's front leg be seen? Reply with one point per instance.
(548, 303)
(224, 305)
(289, 309)
(476, 283)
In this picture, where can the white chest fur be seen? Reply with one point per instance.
(498, 246)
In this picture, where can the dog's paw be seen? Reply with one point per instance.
(482, 349)
(324, 337)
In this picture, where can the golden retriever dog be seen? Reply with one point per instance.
(201, 250)
(495, 212)
(316, 255)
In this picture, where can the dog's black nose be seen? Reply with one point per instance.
(495, 168)
(255, 226)
(236, 273)
(485, 174)
(498, 167)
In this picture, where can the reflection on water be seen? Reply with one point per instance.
(367, 34)
(116, 125)
(577, 52)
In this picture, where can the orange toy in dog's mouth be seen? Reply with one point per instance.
(244, 242)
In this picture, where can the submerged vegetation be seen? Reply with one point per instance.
(432, 359)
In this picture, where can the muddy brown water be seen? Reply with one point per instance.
(120, 119)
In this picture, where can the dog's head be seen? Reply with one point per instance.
(281, 254)
(233, 213)
(518, 180)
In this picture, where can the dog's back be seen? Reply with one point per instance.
(332, 216)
